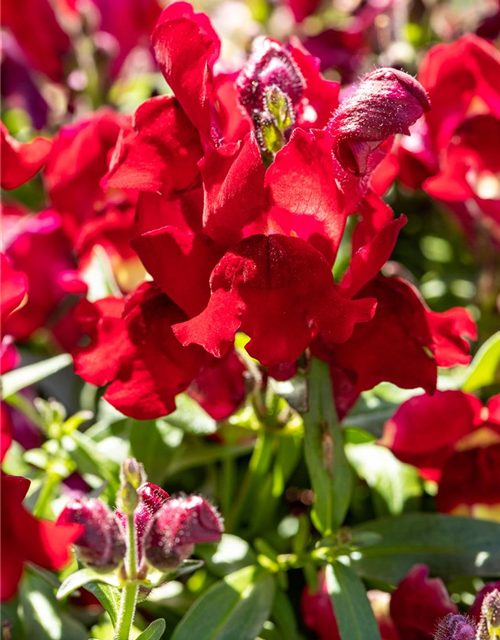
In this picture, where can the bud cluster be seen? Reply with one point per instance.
(270, 88)
(166, 528)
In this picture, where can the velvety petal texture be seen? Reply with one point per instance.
(20, 162)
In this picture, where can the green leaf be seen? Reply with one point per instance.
(392, 482)
(43, 616)
(154, 631)
(14, 381)
(353, 611)
(284, 616)
(227, 556)
(108, 596)
(236, 607)
(151, 443)
(190, 417)
(484, 370)
(82, 578)
(450, 546)
(329, 470)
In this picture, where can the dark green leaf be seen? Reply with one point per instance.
(353, 611)
(329, 470)
(450, 546)
(154, 631)
(236, 607)
(284, 616)
(227, 556)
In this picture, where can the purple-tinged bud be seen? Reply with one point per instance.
(455, 627)
(180, 524)
(386, 102)
(101, 544)
(270, 86)
(151, 499)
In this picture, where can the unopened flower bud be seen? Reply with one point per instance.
(133, 472)
(386, 102)
(151, 499)
(270, 88)
(180, 524)
(101, 544)
(455, 627)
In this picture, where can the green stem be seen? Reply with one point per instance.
(46, 494)
(129, 592)
(127, 611)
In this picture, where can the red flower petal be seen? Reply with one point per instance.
(14, 286)
(180, 263)
(163, 153)
(280, 292)
(186, 47)
(424, 430)
(133, 348)
(20, 162)
(419, 603)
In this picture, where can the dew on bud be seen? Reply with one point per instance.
(181, 523)
(101, 544)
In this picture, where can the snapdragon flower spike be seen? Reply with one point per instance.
(102, 543)
(270, 87)
(386, 102)
(181, 523)
(455, 627)
(489, 625)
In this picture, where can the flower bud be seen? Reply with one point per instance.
(101, 544)
(386, 102)
(270, 87)
(151, 499)
(455, 627)
(132, 472)
(180, 524)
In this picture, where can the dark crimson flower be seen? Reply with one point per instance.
(20, 162)
(30, 241)
(38, 32)
(101, 544)
(411, 612)
(418, 603)
(181, 523)
(458, 444)
(77, 162)
(26, 539)
(455, 627)
(133, 349)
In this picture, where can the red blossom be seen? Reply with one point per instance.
(26, 539)
(14, 287)
(20, 162)
(133, 350)
(453, 439)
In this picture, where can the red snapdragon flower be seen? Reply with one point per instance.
(20, 162)
(26, 539)
(411, 612)
(453, 439)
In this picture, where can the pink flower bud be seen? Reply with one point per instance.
(455, 627)
(180, 524)
(386, 102)
(102, 543)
